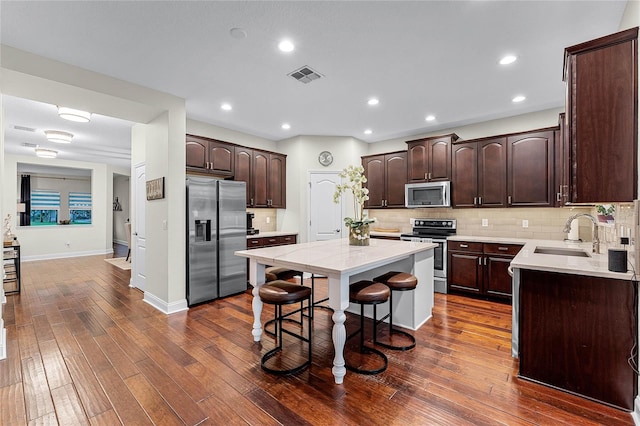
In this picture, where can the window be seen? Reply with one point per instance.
(80, 207)
(45, 206)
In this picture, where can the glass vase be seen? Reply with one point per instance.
(359, 236)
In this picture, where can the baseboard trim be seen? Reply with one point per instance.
(3, 342)
(164, 307)
(635, 414)
(65, 255)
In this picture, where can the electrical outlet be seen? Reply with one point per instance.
(268, 219)
(525, 223)
(412, 221)
(485, 222)
(164, 224)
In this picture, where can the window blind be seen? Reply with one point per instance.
(79, 200)
(45, 200)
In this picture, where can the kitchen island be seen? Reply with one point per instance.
(343, 264)
(575, 322)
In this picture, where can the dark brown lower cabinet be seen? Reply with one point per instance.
(579, 334)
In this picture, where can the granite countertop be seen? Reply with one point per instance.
(272, 234)
(595, 265)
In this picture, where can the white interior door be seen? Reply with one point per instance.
(139, 265)
(325, 216)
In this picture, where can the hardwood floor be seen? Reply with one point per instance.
(84, 348)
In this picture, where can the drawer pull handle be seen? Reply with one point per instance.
(464, 245)
(503, 248)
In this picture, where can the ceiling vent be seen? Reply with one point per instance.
(26, 129)
(305, 75)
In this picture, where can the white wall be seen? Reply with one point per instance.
(302, 156)
(517, 123)
(61, 241)
(220, 133)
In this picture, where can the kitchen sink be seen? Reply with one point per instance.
(560, 251)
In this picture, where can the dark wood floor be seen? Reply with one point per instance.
(84, 348)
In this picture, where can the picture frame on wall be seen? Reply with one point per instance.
(155, 189)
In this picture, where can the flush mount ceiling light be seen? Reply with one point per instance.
(286, 126)
(509, 59)
(226, 107)
(46, 153)
(58, 136)
(373, 101)
(74, 114)
(286, 46)
(430, 117)
(518, 98)
(368, 132)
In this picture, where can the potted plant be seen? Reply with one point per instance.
(358, 226)
(605, 212)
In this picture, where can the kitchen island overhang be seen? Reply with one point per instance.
(343, 264)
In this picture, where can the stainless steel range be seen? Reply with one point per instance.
(434, 231)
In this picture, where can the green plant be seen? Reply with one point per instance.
(606, 209)
(355, 179)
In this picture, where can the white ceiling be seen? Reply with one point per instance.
(417, 57)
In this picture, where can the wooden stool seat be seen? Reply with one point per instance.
(280, 293)
(282, 273)
(396, 281)
(368, 293)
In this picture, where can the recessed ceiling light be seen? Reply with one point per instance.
(226, 107)
(368, 132)
(74, 114)
(430, 117)
(286, 126)
(509, 59)
(58, 136)
(373, 101)
(46, 153)
(286, 46)
(518, 98)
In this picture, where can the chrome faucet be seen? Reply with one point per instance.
(596, 240)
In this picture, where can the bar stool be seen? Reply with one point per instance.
(396, 281)
(368, 293)
(280, 293)
(273, 273)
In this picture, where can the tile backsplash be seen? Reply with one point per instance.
(543, 223)
(265, 219)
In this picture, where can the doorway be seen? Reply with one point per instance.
(325, 218)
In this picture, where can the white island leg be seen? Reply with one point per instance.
(256, 278)
(339, 301)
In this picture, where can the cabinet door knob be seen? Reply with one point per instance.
(480, 201)
(509, 199)
(464, 245)
(338, 230)
(429, 174)
(475, 201)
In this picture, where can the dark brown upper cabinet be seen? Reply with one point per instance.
(479, 173)
(530, 169)
(209, 156)
(429, 159)
(602, 118)
(386, 175)
(265, 174)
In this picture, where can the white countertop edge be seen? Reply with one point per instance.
(385, 234)
(278, 254)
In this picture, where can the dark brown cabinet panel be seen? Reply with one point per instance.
(244, 168)
(602, 96)
(277, 188)
(464, 187)
(492, 173)
(480, 173)
(281, 240)
(260, 178)
(562, 165)
(530, 169)
(386, 175)
(579, 333)
(209, 156)
(480, 268)
(429, 159)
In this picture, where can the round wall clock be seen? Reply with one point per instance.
(325, 158)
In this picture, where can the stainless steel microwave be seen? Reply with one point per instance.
(427, 194)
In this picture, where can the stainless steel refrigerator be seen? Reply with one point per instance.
(216, 228)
